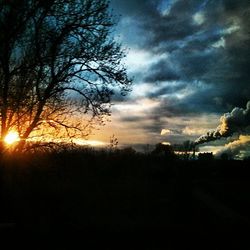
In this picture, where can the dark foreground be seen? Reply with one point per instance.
(123, 201)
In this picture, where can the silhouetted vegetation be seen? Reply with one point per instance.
(205, 156)
(58, 62)
(108, 193)
(164, 150)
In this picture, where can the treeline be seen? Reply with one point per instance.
(112, 192)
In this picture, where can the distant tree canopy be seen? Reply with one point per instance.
(206, 156)
(164, 150)
(57, 61)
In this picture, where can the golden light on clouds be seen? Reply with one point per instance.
(165, 131)
(213, 149)
(77, 141)
(93, 143)
(243, 139)
(12, 137)
(166, 143)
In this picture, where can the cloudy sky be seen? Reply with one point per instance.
(190, 63)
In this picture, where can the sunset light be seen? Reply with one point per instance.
(125, 116)
(11, 137)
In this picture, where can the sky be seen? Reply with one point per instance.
(189, 61)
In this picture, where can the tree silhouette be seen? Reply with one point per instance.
(113, 142)
(57, 61)
(164, 150)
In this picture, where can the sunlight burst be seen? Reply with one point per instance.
(11, 137)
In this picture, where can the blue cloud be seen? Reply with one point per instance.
(214, 52)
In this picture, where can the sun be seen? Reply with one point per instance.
(11, 137)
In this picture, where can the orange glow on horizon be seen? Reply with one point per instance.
(93, 143)
(77, 141)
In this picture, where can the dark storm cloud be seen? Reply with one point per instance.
(131, 119)
(132, 7)
(206, 41)
(167, 90)
(160, 72)
(200, 99)
(153, 125)
(176, 27)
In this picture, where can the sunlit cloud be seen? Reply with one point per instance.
(93, 143)
(166, 143)
(184, 93)
(212, 149)
(199, 18)
(165, 131)
(137, 107)
(193, 131)
(139, 59)
(243, 139)
(141, 90)
(231, 29)
(238, 148)
(220, 43)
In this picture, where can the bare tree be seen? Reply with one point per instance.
(58, 61)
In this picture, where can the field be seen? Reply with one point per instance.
(102, 196)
